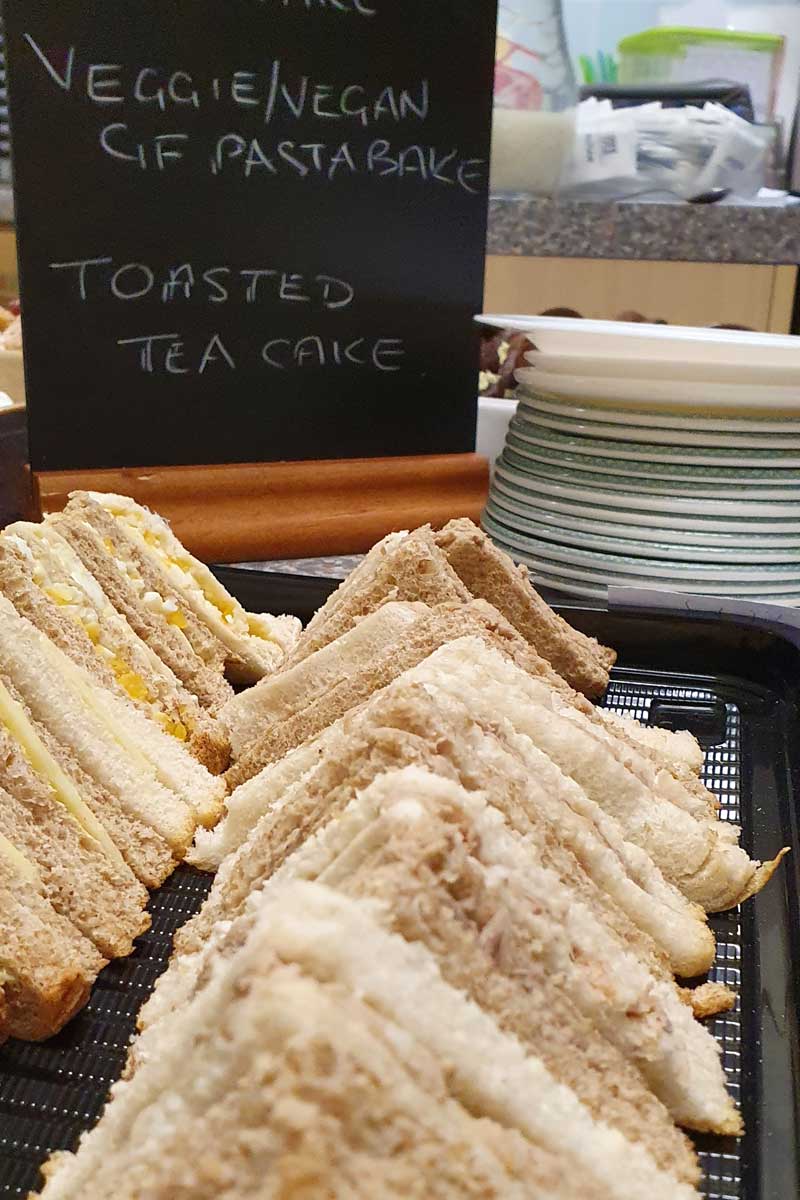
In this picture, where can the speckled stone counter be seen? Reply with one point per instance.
(334, 567)
(338, 567)
(733, 233)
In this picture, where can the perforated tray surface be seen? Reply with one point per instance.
(720, 1158)
(49, 1093)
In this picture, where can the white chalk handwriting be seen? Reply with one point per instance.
(101, 278)
(167, 354)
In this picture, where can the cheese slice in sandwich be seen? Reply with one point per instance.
(83, 873)
(492, 575)
(46, 966)
(143, 767)
(47, 582)
(123, 838)
(255, 643)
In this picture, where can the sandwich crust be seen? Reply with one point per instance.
(489, 574)
(101, 898)
(401, 567)
(46, 966)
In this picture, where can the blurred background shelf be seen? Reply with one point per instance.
(754, 296)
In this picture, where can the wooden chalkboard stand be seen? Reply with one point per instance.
(247, 512)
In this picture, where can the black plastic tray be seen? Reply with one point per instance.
(737, 687)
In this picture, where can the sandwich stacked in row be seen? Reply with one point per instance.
(115, 645)
(439, 955)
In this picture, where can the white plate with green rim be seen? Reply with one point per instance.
(609, 574)
(703, 536)
(620, 366)
(637, 517)
(745, 509)
(647, 419)
(651, 485)
(783, 575)
(751, 551)
(635, 468)
(665, 396)
(672, 437)
(539, 435)
(572, 588)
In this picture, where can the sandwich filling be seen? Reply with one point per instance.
(189, 576)
(20, 865)
(19, 725)
(60, 575)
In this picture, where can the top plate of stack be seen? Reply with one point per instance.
(662, 454)
(673, 368)
(570, 336)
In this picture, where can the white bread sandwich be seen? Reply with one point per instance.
(680, 832)
(252, 644)
(409, 723)
(620, 955)
(46, 966)
(423, 846)
(447, 873)
(432, 824)
(152, 775)
(413, 566)
(295, 704)
(658, 803)
(47, 582)
(323, 1055)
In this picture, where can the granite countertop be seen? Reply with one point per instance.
(731, 233)
(339, 566)
(332, 567)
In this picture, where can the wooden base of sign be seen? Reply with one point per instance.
(248, 512)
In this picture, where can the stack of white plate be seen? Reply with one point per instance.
(653, 456)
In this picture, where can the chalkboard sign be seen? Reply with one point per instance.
(249, 230)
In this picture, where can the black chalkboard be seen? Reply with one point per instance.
(289, 196)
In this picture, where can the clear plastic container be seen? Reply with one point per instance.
(534, 95)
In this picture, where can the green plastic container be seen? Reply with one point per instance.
(684, 55)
